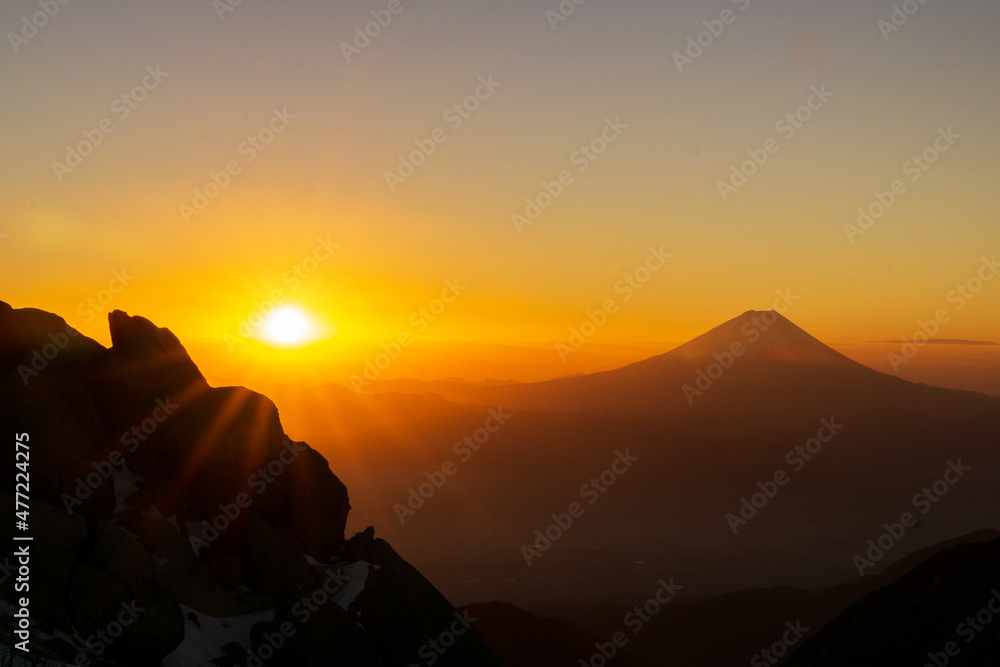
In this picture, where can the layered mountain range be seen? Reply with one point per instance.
(764, 476)
(748, 370)
(713, 424)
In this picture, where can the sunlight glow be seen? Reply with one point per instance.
(288, 326)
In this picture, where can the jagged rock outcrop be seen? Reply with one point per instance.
(188, 504)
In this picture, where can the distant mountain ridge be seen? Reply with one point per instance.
(759, 366)
(753, 619)
(946, 612)
(700, 461)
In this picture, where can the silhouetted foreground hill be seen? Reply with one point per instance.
(945, 612)
(174, 523)
(737, 628)
(907, 615)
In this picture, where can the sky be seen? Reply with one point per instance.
(200, 162)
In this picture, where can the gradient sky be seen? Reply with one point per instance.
(324, 174)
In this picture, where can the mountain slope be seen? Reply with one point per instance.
(945, 612)
(188, 505)
(756, 368)
(752, 619)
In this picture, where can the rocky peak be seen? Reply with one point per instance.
(152, 490)
(154, 353)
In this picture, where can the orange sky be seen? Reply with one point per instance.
(529, 98)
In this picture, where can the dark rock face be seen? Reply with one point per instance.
(166, 503)
(523, 639)
(945, 612)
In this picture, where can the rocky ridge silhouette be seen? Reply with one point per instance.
(175, 523)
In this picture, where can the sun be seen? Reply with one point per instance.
(288, 326)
